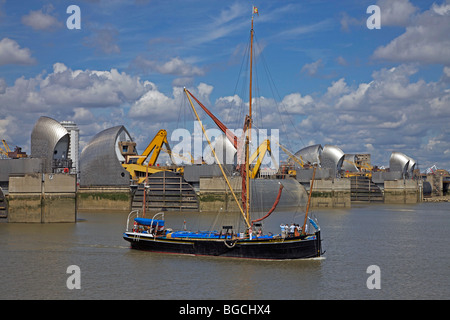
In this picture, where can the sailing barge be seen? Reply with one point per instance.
(152, 235)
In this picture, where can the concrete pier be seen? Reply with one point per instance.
(331, 193)
(42, 198)
(402, 191)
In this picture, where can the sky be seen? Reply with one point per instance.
(321, 75)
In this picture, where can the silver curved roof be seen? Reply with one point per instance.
(49, 140)
(349, 163)
(100, 160)
(310, 154)
(332, 158)
(403, 163)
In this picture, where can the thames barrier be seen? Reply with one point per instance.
(54, 183)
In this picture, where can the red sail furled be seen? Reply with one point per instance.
(229, 134)
(273, 207)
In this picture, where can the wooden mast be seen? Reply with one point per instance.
(145, 193)
(309, 200)
(248, 138)
(251, 73)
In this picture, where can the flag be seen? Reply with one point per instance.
(255, 10)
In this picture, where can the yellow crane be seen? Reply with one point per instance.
(258, 155)
(171, 154)
(16, 154)
(135, 164)
(6, 146)
(364, 170)
(3, 152)
(155, 147)
(298, 160)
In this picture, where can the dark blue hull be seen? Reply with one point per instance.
(273, 248)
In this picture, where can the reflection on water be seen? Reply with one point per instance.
(408, 243)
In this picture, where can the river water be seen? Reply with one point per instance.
(409, 244)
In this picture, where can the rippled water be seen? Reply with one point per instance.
(409, 243)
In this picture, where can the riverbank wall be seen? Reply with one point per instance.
(45, 198)
(104, 198)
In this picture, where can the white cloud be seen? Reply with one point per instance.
(94, 99)
(300, 30)
(82, 115)
(228, 107)
(11, 53)
(153, 104)
(178, 66)
(183, 82)
(443, 10)
(337, 88)
(39, 20)
(425, 41)
(104, 40)
(294, 103)
(346, 21)
(312, 68)
(229, 20)
(393, 13)
(396, 13)
(72, 92)
(391, 112)
(341, 60)
(353, 99)
(175, 66)
(89, 88)
(160, 107)
(2, 85)
(394, 111)
(204, 89)
(5, 125)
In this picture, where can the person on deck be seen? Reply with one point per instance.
(291, 230)
(283, 230)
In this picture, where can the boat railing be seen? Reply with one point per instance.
(133, 214)
(159, 213)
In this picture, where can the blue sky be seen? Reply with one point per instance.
(335, 81)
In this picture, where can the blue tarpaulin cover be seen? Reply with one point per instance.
(149, 222)
(314, 224)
